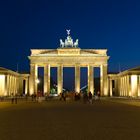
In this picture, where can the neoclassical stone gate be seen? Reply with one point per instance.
(68, 55)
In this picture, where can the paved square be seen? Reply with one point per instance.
(55, 120)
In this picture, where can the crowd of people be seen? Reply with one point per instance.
(64, 96)
(87, 97)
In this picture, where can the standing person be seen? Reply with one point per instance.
(32, 97)
(26, 97)
(15, 99)
(85, 97)
(90, 97)
(60, 96)
(98, 94)
(64, 96)
(12, 98)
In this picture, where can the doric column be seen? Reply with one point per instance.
(14, 84)
(116, 87)
(122, 86)
(18, 85)
(26, 86)
(9, 89)
(125, 85)
(33, 78)
(119, 86)
(103, 82)
(128, 85)
(90, 79)
(77, 78)
(6, 86)
(59, 79)
(110, 86)
(138, 86)
(46, 79)
(134, 85)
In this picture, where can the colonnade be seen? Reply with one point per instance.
(11, 85)
(113, 89)
(14, 85)
(125, 88)
(131, 84)
(127, 85)
(34, 77)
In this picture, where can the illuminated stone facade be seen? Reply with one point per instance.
(13, 83)
(126, 83)
(68, 55)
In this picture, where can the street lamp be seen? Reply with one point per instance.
(37, 81)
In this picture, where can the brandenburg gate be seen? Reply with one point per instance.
(68, 55)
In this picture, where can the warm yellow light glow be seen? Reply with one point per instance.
(139, 88)
(134, 88)
(105, 91)
(37, 81)
(2, 85)
(77, 89)
(31, 91)
(59, 90)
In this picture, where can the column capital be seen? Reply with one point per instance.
(91, 64)
(77, 64)
(105, 65)
(60, 64)
(33, 64)
(46, 64)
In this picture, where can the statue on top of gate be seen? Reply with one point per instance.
(68, 42)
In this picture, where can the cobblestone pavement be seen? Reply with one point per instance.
(55, 120)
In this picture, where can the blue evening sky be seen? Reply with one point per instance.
(109, 24)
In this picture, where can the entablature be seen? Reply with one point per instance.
(68, 52)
